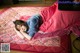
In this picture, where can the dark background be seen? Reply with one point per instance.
(8, 2)
(68, 6)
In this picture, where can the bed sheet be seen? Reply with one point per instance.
(47, 43)
(52, 42)
(55, 19)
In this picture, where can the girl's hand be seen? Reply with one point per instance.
(19, 34)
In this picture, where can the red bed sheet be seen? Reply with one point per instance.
(58, 25)
(58, 42)
(55, 19)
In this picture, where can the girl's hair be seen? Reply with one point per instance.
(20, 22)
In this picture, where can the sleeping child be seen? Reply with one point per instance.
(30, 27)
(36, 23)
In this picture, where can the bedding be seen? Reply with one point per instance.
(56, 23)
(58, 19)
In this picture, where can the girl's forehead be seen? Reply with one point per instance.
(19, 25)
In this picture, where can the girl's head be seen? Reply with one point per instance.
(20, 25)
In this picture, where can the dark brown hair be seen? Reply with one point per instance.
(20, 22)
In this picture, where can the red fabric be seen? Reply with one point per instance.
(55, 19)
(24, 18)
(43, 43)
(63, 48)
(3, 10)
(48, 12)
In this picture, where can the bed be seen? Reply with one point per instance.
(56, 40)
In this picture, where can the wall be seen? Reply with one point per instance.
(6, 2)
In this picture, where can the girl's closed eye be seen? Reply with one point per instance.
(23, 28)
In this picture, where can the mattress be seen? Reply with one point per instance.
(53, 42)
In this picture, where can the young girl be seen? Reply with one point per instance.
(30, 27)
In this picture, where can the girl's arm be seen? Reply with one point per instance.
(25, 35)
(19, 34)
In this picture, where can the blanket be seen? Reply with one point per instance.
(39, 43)
(54, 19)
(54, 23)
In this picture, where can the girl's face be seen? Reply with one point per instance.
(21, 28)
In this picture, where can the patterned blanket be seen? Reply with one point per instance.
(7, 33)
(51, 42)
